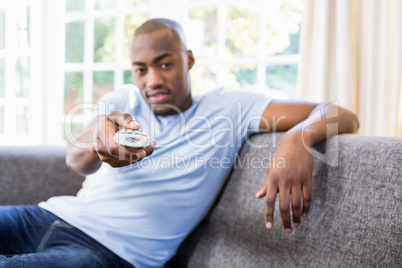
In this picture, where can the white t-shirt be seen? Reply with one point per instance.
(143, 212)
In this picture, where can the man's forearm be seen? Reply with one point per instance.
(83, 159)
(315, 128)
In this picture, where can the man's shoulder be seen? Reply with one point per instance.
(228, 95)
(219, 92)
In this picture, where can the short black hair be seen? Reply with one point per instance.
(161, 23)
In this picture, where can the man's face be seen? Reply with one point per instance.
(160, 66)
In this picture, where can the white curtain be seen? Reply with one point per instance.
(351, 53)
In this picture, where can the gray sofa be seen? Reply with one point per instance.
(355, 218)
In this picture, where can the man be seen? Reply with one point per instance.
(149, 199)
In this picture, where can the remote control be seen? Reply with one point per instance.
(132, 138)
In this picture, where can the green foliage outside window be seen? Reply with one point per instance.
(104, 40)
(75, 5)
(73, 90)
(102, 84)
(282, 73)
(242, 32)
(245, 76)
(131, 23)
(128, 78)
(74, 40)
(282, 78)
(22, 70)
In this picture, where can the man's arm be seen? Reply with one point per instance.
(95, 144)
(305, 125)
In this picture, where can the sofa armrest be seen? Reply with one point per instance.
(29, 175)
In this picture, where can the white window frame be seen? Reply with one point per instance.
(48, 18)
(174, 9)
(261, 60)
(88, 66)
(35, 52)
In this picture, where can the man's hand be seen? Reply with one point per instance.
(95, 144)
(108, 150)
(292, 179)
(305, 125)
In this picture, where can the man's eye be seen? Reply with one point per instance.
(139, 70)
(165, 65)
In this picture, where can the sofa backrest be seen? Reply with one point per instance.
(29, 175)
(355, 218)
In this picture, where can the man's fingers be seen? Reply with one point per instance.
(114, 122)
(123, 120)
(136, 154)
(306, 199)
(296, 205)
(106, 133)
(111, 152)
(284, 208)
(132, 124)
(270, 198)
(148, 150)
(262, 192)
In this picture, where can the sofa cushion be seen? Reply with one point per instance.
(355, 218)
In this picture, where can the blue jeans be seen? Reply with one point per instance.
(33, 237)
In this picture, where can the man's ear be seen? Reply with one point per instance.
(190, 59)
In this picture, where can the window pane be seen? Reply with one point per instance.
(2, 29)
(22, 120)
(22, 28)
(102, 83)
(104, 40)
(203, 78)
(128, 78)
(283, 28)
(242, 30)
(74, 51)
(22, 71)
(137, 3)
(105, 4)
(244, 77)
(131, 23)
(205, 21)
(2, 84)
(73, 94)
(289, 47)
(75, 5)
(1, 120)
(282, 78)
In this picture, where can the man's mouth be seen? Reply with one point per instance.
(159, 97)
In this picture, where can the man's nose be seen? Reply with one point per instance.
(154, 78)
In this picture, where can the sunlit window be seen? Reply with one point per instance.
(16, 93)
(49, 85)
(249, 45)
(96, 55)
